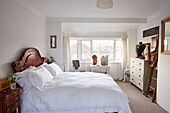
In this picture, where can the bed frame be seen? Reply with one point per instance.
(30, 57)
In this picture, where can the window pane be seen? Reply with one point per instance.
(73, 49)
(86, 50)
(103, 47)
(118, 49)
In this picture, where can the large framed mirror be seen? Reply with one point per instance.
(165, 36)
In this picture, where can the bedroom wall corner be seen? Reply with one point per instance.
(21, 27)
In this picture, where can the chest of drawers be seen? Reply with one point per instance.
(10, 101)
(139, 73)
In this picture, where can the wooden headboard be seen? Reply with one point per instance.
(30, 57)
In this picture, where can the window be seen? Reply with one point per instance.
(74, 49)
(103, 48)
(83, 49)
(86, 50)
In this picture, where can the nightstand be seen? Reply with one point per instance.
(10, 101)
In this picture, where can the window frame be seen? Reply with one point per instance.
(79, 47)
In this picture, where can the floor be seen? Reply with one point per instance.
(138, 102)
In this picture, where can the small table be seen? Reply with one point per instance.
(9, 101)
(99, 68)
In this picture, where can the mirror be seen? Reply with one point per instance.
(165, 39)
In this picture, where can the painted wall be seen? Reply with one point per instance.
(131, 44)
(21, 26)
(163, 90)
(57, 53)
(152, 21)
(164, 66)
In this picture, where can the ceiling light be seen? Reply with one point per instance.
(104, 4)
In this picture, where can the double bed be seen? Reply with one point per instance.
(68, 92)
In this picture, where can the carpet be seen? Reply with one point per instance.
(138, 102)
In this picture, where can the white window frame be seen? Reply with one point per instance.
(79, 42)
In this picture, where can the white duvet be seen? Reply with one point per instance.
(75, 92)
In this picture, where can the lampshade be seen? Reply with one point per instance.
(104, 4)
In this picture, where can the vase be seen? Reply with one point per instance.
(94, 61)
(13, 85)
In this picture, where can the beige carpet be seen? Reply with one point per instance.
(137, 101)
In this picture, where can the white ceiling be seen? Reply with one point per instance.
(80, 10)
(98, 29)
(87, 8)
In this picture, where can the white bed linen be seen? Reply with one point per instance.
(75, 92)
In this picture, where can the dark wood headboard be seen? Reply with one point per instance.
(30, 57)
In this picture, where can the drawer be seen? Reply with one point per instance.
(12, 107)
(12, 95)
(140, 64)
(132, 72)
(139, 83)
(132, 61)
(133, 79)
(139, 75)
(133, 66)
(14, 100)
(140, 70)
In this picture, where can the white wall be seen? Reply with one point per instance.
(57, 53)
(131, 44)
(163, 90)
(21, 26)
(152, 21)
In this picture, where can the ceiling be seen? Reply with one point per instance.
(98, 29)
(87, 8)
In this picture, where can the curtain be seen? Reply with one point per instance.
(123, 61)
(66, 52)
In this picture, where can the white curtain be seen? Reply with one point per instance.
(123, 62)
(66, 52)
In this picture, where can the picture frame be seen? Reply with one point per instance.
(53, 41)
(151, 32)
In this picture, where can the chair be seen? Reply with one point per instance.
(76, 64)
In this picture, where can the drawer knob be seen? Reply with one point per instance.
(133, 61)
(139, 63)
(132, 79)
(139, 75)
(132, 72)
(139, 83)
(132, 66)
(140, 69)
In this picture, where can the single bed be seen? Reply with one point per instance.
(69, 92)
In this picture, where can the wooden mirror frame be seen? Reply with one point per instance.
(165, 52)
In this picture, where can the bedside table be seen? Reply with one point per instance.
(10, 101)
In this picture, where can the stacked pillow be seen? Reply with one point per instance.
(54, 69)
(38, 76)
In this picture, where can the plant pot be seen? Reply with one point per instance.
(13, 85)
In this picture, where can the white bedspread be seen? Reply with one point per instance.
(75, 92)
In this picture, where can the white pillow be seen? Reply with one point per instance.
(39, 76)
(23, 81)
(42, 65)
(54, 69)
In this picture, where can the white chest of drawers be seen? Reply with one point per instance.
(139, 73)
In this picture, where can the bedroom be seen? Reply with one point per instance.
(24, 25)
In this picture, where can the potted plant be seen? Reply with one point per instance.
(13, 77)
(49, 60)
